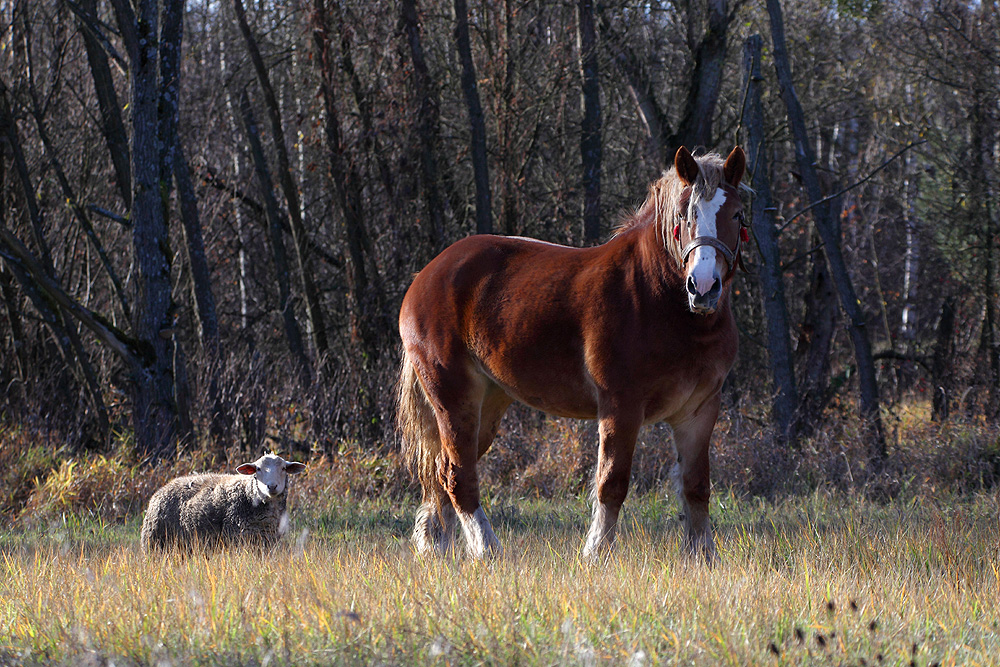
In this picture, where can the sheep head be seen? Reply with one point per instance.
(271, 473)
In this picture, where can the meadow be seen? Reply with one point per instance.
(820, 578)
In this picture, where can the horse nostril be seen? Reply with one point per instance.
(691, 287)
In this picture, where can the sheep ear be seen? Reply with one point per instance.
(294, 468)
(246, 469)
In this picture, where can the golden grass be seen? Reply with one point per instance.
(801, 582)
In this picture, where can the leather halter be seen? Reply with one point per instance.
(733, 257)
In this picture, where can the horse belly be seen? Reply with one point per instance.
(549, 383)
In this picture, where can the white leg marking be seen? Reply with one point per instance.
(601, 536)
(430, 536)
(480, 541)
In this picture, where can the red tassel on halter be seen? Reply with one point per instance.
(677, 232)
(744, 234)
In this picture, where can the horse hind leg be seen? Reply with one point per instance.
(467, 428)
(434, 527)
(480, 539)
(458, 476)
(456, 396)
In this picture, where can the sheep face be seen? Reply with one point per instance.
(270, 474)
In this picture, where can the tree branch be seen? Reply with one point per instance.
(852, 186)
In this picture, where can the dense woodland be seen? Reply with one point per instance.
(210, 209)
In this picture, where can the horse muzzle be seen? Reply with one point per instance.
(704, 303)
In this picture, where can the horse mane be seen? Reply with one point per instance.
(665, 193)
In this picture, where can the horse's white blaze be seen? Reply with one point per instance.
(479, 537)
(703, 269)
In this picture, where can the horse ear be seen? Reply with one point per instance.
(685, 166)
(735, 166)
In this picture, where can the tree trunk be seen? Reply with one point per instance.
(370, 139)
(174, 169)
(590, 136)
(428, 113)
(785, 399)
(695, 128)
(18, 340)
(814, 342)
(237, 199)
(300, 237)
(201, 290)
(154, 409)
(274, 228)
(194, 244)
(828, 229)
(702, 94)
(171, 38)
(911, 260)
(480, 167)
(941, 362)
(112, 126)
(509, 194)
(982, 157)
(368, 314)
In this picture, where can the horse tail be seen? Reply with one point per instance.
(418, 427)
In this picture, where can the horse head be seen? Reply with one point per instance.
(710, 227)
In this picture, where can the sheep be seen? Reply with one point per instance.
(213, 509)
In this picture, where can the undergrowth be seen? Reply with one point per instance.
(533, 456)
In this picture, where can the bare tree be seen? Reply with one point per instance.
(368, 307)
(300, 236)
(785, 403)
(826, 225)
(480, 167)
(279, 254)
(590, 136)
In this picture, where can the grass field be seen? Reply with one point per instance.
(810, 580)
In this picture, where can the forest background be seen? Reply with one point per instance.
(210, 212)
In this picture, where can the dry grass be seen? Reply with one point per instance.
(821, 579)
(817, 575)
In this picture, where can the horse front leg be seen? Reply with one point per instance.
(691, 477)
(618, 432)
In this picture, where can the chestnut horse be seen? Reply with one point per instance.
(632, 332)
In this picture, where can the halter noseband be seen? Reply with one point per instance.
(730, 255)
